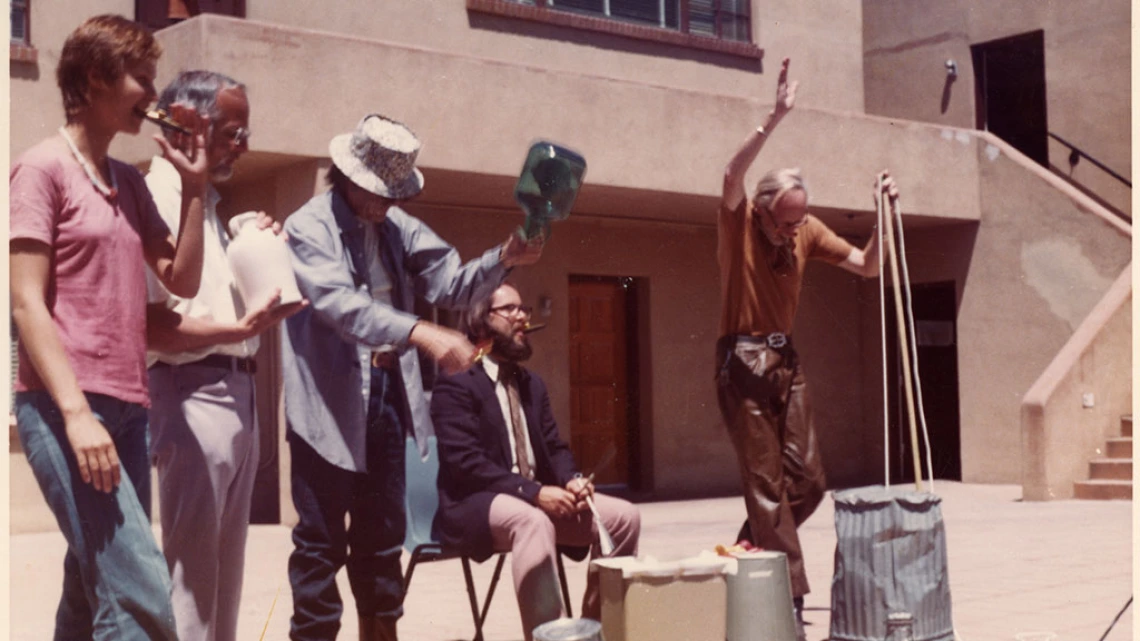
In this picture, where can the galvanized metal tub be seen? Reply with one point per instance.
(760, 599)
(890, 556)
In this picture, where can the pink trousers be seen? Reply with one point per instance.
(532, 537)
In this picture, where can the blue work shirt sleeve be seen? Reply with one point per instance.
(325, 279)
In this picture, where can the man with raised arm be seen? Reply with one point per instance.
(763, 244)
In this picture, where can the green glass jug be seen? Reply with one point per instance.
(547, 186)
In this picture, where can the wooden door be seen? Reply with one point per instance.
(599, 377)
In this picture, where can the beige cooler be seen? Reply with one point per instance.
(676, 601)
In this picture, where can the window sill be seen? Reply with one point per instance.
(22, 53)
(614, 27)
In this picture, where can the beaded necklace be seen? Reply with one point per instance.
(108, 192)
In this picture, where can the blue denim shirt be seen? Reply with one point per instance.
(327, 346)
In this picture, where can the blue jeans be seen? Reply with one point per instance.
(371, 546)
(115, 583)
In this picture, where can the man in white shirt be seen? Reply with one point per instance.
(203, 429)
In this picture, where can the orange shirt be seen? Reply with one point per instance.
(760, 288)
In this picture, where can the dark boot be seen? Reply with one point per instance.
(798, 606)
(377, 629)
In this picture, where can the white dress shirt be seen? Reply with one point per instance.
(217, 297)
(492, 369)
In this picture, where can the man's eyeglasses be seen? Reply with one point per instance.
(512, 309)
(786, 226)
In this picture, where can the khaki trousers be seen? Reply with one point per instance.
(764, 402)
(204, 441)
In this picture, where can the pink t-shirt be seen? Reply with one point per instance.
(97, 286)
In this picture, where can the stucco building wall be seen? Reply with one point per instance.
(1040, 264)
(1087, 71)
(37, 109)
(657, 124)
(822, 38)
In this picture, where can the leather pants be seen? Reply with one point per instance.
(763, 400)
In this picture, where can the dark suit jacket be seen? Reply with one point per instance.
(475, 455)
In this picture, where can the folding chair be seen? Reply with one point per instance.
(421, 500)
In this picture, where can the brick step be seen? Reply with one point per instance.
(1119, 447)
(1103, 469)
(1126, 425)
(1103, 490)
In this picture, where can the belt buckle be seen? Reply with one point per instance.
(777, 340)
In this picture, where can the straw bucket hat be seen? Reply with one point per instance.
(380, 157)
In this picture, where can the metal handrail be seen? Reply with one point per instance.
(1094, 161)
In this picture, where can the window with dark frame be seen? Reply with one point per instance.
(20, 33)
(722, 19)
(159, 14)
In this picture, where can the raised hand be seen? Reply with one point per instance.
(517, 251)
(889, 186)
(785, 91)
(187, 152)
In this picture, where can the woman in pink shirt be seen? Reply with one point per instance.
(83, 231)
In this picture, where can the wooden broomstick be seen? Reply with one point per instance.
(889, 215)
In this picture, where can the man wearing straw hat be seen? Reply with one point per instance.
(763, 245)
(352, 374)
(507, 482)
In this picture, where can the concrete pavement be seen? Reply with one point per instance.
(1063, 567)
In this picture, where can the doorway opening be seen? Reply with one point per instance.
(1009, 80)
(935, 311)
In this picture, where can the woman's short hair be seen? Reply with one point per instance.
(775, 184)
(101, 48)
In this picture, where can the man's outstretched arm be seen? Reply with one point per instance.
(734, 190)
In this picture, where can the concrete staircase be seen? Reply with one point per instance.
(1110, 476)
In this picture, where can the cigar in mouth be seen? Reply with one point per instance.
(162, 119)
(533, 328)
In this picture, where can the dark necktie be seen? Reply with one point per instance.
(508, 376)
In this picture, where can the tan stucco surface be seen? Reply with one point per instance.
(820, 37)
(657, 127)
(1018, 306)
(1087, 71)
(36, 107)
(1075, 406)
(657, 139)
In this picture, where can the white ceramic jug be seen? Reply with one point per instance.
(260, 263)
